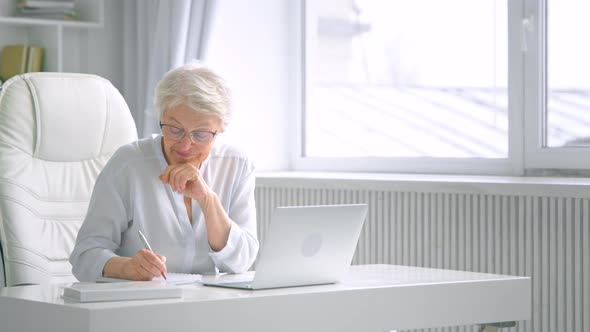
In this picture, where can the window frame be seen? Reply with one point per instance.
(536, 155)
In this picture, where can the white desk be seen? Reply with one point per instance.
(371, 298)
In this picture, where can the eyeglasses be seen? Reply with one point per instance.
(197, 136)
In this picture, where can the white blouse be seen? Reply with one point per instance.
(128, 196)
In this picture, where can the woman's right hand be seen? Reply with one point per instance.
(144, 266)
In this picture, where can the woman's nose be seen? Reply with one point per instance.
(185, 142)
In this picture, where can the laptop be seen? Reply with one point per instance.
(305, 245)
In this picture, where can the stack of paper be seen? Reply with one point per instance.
(121, 291)
(48, 9)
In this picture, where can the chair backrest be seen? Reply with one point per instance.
(57, 131)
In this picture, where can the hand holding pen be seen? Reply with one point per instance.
(148, 247)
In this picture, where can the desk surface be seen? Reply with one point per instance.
(370, 298)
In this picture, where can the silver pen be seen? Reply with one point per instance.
(148, 247)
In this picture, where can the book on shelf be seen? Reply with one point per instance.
(13, 61)
(20, 59)
(60, 4)
(43, 11)
(34, 59)
(50, 16)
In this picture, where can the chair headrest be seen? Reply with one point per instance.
(63, 116)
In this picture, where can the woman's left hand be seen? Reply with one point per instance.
(186, 179)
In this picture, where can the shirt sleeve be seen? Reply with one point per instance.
(242, 244)
(100, 234)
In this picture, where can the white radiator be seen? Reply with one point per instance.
(527, 232)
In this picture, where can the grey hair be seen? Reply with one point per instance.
(196, 87)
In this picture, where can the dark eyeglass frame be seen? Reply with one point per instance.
(191, 134)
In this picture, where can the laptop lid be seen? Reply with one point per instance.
(307, 245)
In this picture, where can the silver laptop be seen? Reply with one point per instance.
(305, 245)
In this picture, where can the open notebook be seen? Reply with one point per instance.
(173, 279)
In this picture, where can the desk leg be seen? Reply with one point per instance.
(495, 327)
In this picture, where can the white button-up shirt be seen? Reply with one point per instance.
(128, 196)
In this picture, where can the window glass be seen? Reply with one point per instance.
(420, 78)
(568, 74)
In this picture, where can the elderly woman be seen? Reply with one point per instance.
(191, 198)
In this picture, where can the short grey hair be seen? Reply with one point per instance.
(196, 87)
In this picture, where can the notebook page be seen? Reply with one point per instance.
(180, 278)
(173, 279)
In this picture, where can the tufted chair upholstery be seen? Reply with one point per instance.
(57, 131)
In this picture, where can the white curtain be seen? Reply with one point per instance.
(160, 35)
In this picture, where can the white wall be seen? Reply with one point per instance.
(98, 50)
(250, 47)
(105, 46)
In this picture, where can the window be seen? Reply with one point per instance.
(557, 93)
(444, 86)
(568, 75)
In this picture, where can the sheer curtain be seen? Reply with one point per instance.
(160, 35)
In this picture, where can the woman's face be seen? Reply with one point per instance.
(184, 150)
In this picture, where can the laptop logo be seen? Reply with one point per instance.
(311, 245)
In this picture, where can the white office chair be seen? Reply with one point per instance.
(57, 131)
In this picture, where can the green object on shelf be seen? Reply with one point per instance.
(20, 59)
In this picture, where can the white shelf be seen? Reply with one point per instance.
(27, 21)
(57, 37)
